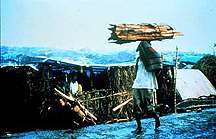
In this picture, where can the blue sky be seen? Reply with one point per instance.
(83, 23)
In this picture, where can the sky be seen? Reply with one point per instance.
(78, 24)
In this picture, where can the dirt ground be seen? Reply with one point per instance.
(178, 126)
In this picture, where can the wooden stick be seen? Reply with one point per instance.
(87, 112)
(73, 99)
(63, 95)
(116, 94)
(122, 104)
(124, 33)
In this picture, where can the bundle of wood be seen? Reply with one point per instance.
(125, 33)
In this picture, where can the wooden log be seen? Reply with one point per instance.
(117, 120)
(189, 102)
(87, 112)
(124, 33)
(116, 94)
(122, 104)
(71, 98)
(63, 95)
(200, 106)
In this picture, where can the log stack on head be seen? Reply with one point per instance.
(125, 33)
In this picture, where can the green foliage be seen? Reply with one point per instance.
(207, 65)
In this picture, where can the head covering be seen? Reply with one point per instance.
(150, 58)
(143, 44)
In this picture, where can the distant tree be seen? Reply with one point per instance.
(207, 65)
(213, 48)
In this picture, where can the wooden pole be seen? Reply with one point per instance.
(63, 95)
(73, 99)
(176, 60)
(116, 94)
(122, 104)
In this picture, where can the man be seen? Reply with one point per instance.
(144, 86)
(74, 85)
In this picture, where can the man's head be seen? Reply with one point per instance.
(74, 77)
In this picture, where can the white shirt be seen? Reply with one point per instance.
(73, 87)
(144, 79)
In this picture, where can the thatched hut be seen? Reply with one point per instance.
(32, 101)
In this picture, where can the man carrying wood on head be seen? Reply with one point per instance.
(148, 62)
(145, 83)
